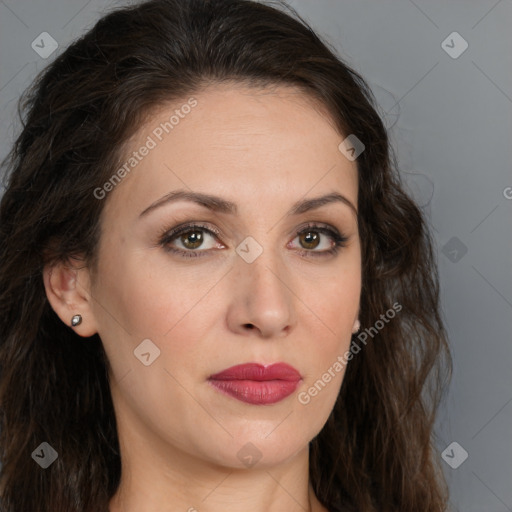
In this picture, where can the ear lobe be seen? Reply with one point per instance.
(67, 289)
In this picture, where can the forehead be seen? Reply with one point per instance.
(236, 141)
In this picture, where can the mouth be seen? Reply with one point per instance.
(256, 384)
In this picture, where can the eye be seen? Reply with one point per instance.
(319, 240)
(195, 240)
(186, 240)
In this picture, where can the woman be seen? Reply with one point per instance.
(214, 293)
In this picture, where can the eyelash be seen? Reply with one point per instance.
(167, 236)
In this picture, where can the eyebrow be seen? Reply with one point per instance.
(217, 204)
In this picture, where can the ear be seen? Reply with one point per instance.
(357, 326)
(67, 286)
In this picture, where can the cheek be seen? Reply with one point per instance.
(146, 295)
(329, 317)
(161, 306)
(334, 300)
(165, 305)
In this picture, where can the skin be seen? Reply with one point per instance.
(263, 150)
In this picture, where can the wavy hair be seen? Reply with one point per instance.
(377, 450)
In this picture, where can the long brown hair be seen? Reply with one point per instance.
(376, 451)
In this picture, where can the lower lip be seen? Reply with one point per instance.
(256, 392)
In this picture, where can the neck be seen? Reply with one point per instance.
(147, 485)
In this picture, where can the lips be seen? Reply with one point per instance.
(256, 384)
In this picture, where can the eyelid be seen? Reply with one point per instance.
(339, 237)
(184, 227)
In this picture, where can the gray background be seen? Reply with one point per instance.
(451, 124)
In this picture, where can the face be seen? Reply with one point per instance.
(213, 256)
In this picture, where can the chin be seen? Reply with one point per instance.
(256, 449)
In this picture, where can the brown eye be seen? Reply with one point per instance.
(309, 239)
(318, 241)
(192, 239)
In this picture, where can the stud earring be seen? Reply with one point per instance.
(357, 326)
(76, 320)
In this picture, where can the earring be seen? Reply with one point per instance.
(76, 320)
(357, 326)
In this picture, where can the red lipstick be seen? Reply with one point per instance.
(256, 384)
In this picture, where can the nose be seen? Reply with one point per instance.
(262, 303)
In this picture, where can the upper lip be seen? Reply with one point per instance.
(258, 372)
